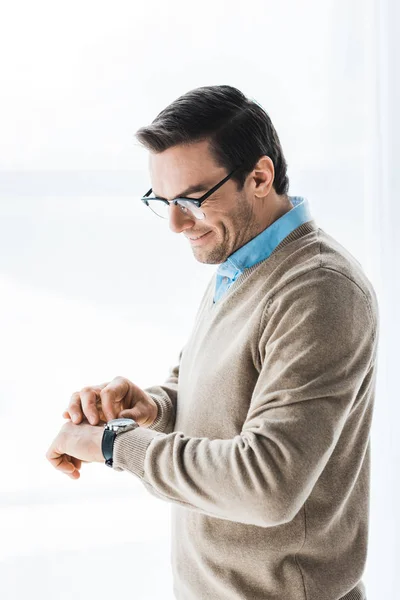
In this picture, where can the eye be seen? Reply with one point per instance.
(211, 199)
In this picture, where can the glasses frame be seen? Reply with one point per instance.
(196, 201)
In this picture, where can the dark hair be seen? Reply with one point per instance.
(238, 129)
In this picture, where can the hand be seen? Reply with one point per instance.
(115, 399)
(74, 445)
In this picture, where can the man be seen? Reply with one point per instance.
(260, 437)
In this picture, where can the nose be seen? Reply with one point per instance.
(178, 220)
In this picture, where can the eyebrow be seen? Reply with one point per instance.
(193, 189)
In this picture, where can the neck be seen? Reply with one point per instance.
(274, 208)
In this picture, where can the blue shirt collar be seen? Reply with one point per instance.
(260, 247)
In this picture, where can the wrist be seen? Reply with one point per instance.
(97, 439)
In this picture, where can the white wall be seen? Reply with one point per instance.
(92, 285)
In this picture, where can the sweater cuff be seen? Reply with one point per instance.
(164, 406)
(130, 450)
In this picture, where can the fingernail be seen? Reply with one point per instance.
(75, 417)
(92, 419)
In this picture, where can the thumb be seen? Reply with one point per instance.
(135, 414)
(128, 413)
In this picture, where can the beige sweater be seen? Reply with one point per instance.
(262, 441)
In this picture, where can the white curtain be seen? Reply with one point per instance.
(82, 263)
(382, 247)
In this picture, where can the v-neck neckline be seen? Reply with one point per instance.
(296, 234)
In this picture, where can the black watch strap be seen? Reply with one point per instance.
(107, 445)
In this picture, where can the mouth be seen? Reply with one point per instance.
(198, 240)
(196, 237)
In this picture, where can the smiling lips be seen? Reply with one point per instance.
(199, 240)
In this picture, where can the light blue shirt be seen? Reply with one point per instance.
(260, 247)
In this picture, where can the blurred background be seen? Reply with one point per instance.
(94, 285)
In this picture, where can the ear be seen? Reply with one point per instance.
(263, 176)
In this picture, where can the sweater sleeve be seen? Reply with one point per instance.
(166, 397)
(315, 346)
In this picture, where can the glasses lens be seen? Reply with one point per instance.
(161, 208)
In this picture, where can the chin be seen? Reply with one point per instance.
(209, 258)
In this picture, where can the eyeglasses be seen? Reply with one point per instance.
(189, 206)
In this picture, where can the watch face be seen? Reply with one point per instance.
(121, 422)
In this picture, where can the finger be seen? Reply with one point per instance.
(112, 397)
(67, 466)
(101, 413)
(75, 408)
(140, 416)
(144, 412)
(75, 404)
(77, 462)
(89, 397)
(129, 413)
(59, 460)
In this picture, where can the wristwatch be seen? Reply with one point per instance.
(111, 430)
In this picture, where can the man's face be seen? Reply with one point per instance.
(229, 220)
